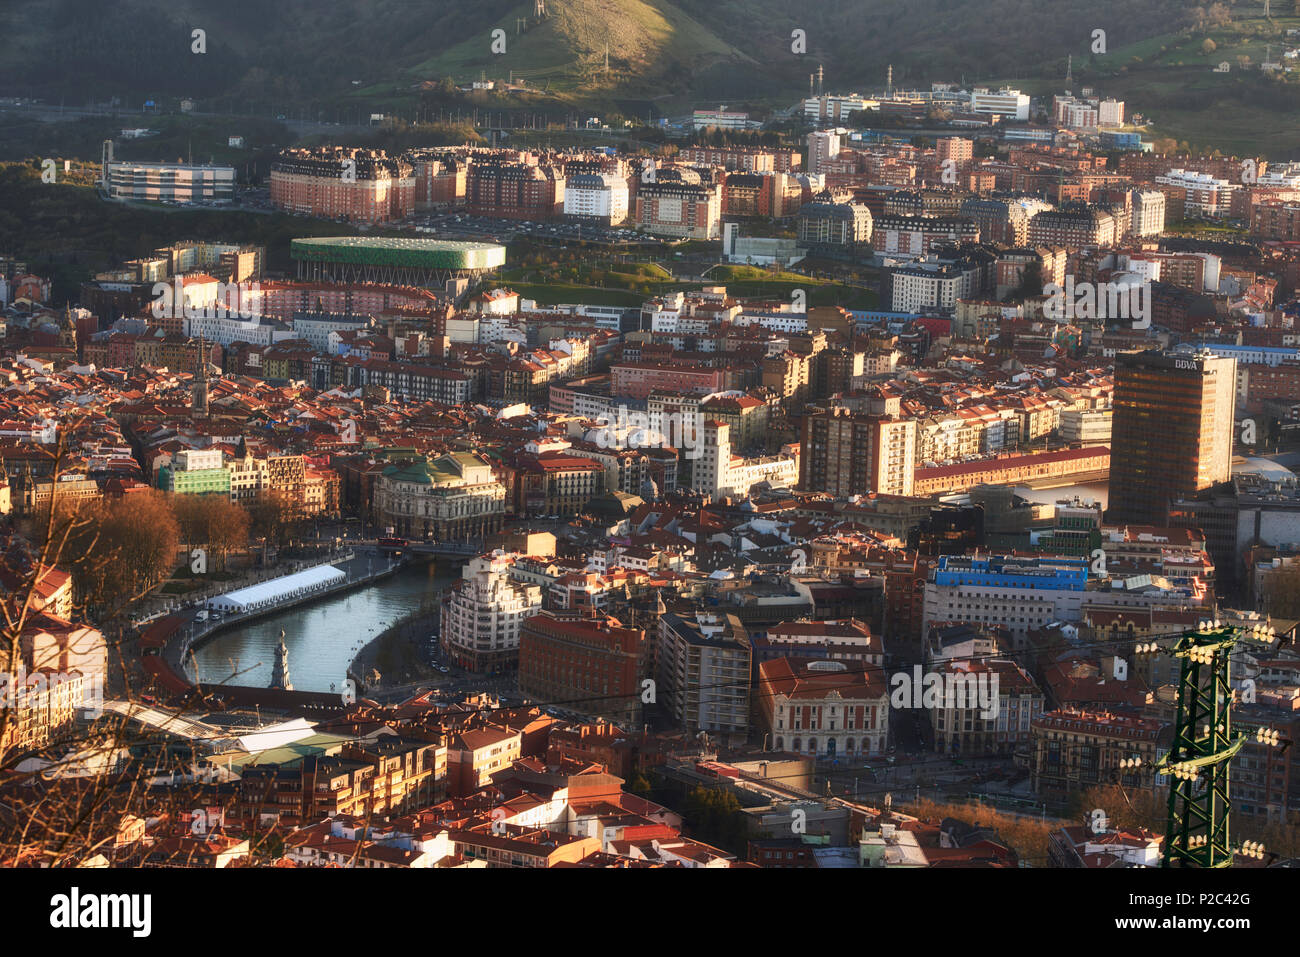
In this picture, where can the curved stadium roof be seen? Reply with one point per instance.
(398, 251)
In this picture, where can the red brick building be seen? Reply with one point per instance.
(349, 183)
(514, 190)
(440, 181)
(585, 662)
(637, 380)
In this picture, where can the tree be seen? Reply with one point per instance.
(117, 550)
(213, 522)
(1123, 807)
(714, 817)
(638, 783)
(274, 518)
(1208, 46)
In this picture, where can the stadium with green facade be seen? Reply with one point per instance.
(406, 262)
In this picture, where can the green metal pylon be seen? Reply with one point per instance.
(1196, 834)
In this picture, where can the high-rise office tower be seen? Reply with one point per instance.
(1171, 433)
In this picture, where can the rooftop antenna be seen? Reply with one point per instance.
(821, 76)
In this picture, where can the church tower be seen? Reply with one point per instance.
(68, 329)
(199, 405)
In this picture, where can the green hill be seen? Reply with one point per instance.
(352, 56)
(311, 50)
(644, 42)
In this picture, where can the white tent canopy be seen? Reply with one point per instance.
(270, 593)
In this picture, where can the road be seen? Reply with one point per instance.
(54, 114)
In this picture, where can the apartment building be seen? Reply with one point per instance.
(337, 182)
(1205, 196)
(919, 235)
(474, 756)
(702, 670)
(1073, 750)
(847, 453)
(1075, 228)
(1020, 594)
(960, 724)
(507, 190)
(825, 222)
(933, 287)
(482, 614)
(586, 662)
(679, 209)
(1148, 213)
(184, 183)
(598, 197)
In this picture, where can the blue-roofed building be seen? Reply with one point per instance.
(1254, 355)
(1019, 594)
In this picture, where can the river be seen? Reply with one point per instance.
(1097, 491)
(324, 636)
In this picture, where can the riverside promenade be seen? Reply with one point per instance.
(361, 566)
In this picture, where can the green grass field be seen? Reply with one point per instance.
(550, 294)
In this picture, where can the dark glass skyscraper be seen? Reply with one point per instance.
(1172, 431)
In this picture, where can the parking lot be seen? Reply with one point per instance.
(503, 230)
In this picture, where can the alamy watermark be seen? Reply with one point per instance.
(1099, 300)
(25, 691)
(937, 690)
(230, 300)
(653, 430)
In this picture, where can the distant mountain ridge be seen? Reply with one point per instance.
(302, 50)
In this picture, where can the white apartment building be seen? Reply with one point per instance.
(721, 119)
(197, 460)
(1008, 103)
(224, 331)
(1148, 212)
(784, 322)
(249, 477)
(1086, 426)
(1284, 176)
(918, 288)
(601, 197)
(823, 146)
(169, 182)
(482, 614)
(1207, 196)
(720, 473)
(834, 109)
